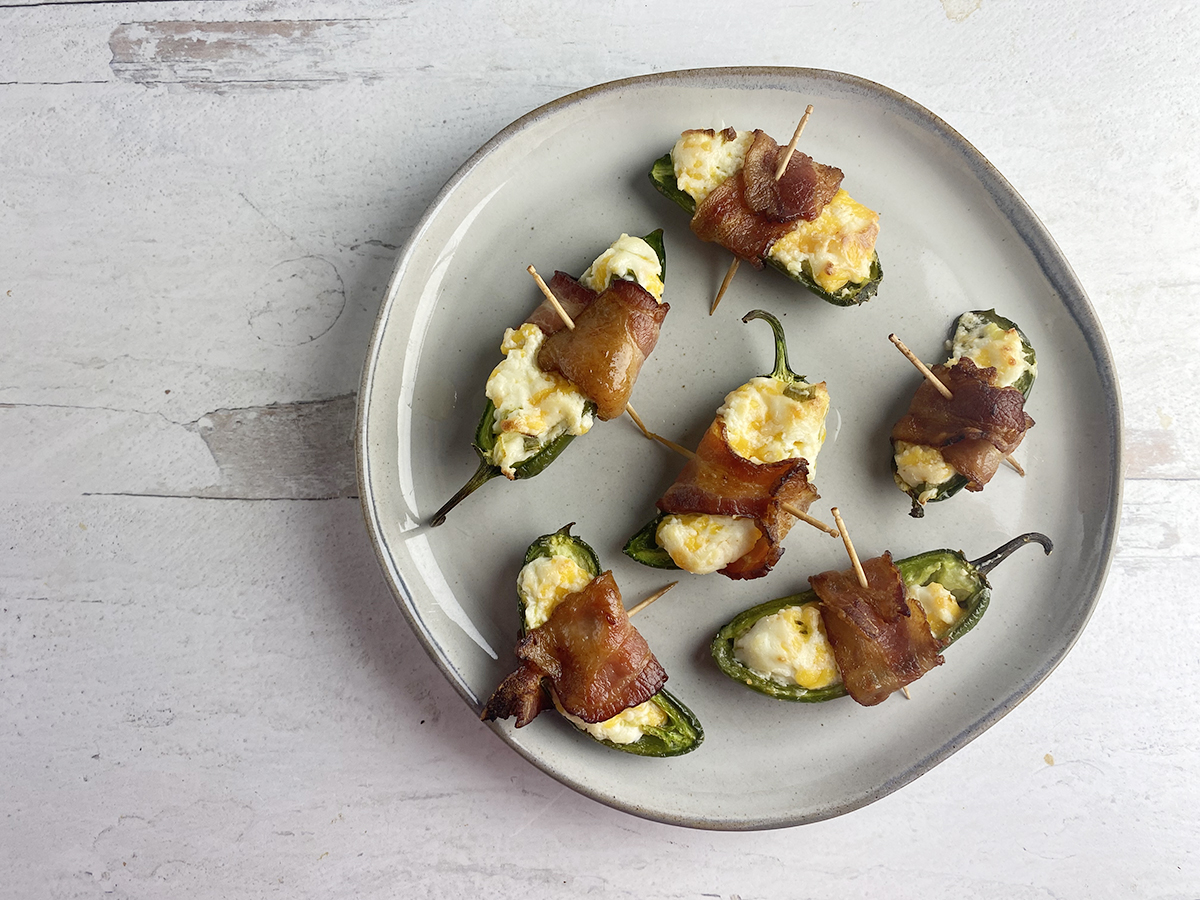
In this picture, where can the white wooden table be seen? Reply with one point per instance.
(206, 689)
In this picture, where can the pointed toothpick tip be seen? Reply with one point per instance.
(637, 609)
(921, 367)
(733, 267)
(545, 289)
(791, 147)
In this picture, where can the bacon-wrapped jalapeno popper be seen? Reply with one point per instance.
(725, 512)
(941, 446)
(804, 224)
(838, 638)
(580, 653)
(554, 380)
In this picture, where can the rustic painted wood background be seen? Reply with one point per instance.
(205, 687)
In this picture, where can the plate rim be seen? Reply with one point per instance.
(1011, 205)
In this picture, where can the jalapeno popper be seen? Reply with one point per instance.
(580, 653)
(943, 445)
(838, 638)
(804, 224)
(555, 381)
(725, 510)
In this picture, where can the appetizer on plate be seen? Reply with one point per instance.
(579, 653)
(838, 638)
(942, 445)
(556, 380)
(726, 510)
(804, 223)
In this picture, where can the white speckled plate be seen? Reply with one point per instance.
(554, 189)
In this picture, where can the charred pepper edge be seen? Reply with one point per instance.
(485, 438)
(853, 293)
(946, 489)
(973, 593)
(682, 732)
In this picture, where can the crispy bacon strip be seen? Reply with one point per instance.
(881, 640)
(592, 657)
(975, 430)
(719, 482)
(723, 217)
(805, 189)
(750, 210)
(574, 298)
(613, 336)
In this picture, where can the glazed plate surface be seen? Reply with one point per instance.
(553, 190)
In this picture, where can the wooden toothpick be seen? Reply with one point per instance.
(858, 569)
(791, 147)
(942, 389)
(733, 267)
(806, 518)
(682, 451)
(921, 367)
(637, 609)
(550, 296)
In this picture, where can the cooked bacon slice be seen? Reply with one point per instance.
(975, 430)
(805, 189)
(593, 658)
(573, 296)
(719, 482)
(724, 218)
(881, 640)
(603, 355)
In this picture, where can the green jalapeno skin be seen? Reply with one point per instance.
(967, 581)
(951, 486)
(485, 438)
(662, 176)
(682, 732)
(643, 547)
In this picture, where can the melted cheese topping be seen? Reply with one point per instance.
(532, 407)
(703, 159)
(764, 424)
(987, 344)
(544, 582)
(702, 544)
(837, 247)
(941, 609)
(790, 647)
(625, 727)
(917, 464)
(630, 258)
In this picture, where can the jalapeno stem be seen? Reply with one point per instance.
(783, 370)
(986, 563)
(485, 473)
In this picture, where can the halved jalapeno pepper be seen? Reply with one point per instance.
(662, 176)
(966, 581)
(644, 547)
(484, 443)
(678, 731)
(968, 329)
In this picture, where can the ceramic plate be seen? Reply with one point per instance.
(554, 189)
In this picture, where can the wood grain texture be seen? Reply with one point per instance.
(208, 692)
